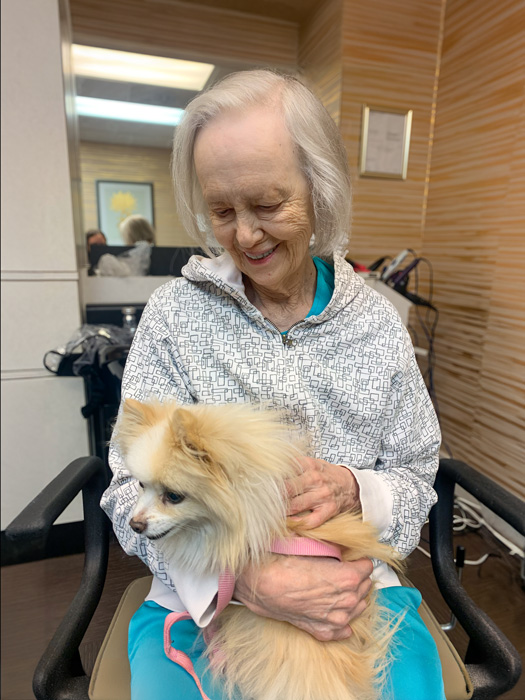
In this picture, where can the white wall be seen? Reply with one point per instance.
(42, 427)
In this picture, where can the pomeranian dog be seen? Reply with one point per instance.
(213, 497)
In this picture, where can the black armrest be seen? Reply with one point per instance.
(492, 661)
(35, 521)
(59, 674)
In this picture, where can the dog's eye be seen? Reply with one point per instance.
(173, 497)
(141, 484)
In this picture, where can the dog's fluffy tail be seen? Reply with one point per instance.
(268, 660)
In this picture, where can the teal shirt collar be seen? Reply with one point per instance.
(324, 288)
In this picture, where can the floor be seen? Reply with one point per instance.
(47, 586)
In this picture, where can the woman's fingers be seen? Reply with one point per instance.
(323, 488)
(316, 594)
(308, 480)
(313, 516)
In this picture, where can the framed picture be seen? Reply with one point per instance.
(118, 200)
(385, 142)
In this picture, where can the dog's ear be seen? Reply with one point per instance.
(135, 417)
(186, 431)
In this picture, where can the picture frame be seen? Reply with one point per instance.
(385, 142)
(117, 200)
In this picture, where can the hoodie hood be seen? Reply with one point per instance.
(223, 274)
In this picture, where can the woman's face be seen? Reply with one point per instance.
(258, 198)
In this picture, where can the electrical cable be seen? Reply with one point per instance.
(413, 335)
(428, 326)
(427, 320)
(471, 509)
(467, 562)
(469, 517)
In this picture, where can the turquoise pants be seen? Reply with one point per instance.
(415, 673)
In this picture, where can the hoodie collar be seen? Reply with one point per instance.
(223, 273)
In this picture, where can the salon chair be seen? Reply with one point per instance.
(491, 666)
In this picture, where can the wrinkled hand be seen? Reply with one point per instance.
(317, 594)
(324, 489)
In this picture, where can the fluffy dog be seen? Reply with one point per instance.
(213, 497)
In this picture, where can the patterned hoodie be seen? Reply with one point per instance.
(348, 375)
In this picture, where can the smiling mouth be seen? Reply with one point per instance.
(261, 256)
(157, 537)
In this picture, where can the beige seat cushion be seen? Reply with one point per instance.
(458, 685)
(110, 679)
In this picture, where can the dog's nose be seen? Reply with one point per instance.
(137, 526)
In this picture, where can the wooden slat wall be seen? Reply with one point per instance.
(104, 161)
(475, 236)
(181, 30)
(389, 59)
(320, 55)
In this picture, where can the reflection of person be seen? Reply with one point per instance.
(136, 228)
(136, 231)
(261, 172)
(95, 237)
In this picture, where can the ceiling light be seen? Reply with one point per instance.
(127, 111)
(107, 64)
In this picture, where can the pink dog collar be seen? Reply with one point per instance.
(304, 546)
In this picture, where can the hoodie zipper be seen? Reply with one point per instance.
(287, 342)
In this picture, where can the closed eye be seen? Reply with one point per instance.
(269, 207)
(222, 213)
(173, 497)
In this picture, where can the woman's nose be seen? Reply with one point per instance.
(248, 232)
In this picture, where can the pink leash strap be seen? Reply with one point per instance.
(224, 595)
(177, 656)
(302, 546)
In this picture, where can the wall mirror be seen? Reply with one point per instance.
(125, 130)
(133, 75)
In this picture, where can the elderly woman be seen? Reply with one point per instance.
(136, 231)
(279, 316)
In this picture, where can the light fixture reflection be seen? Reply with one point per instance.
(108, 64)
(128, 111)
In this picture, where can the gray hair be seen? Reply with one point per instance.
(322, 155)
(136, 228)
